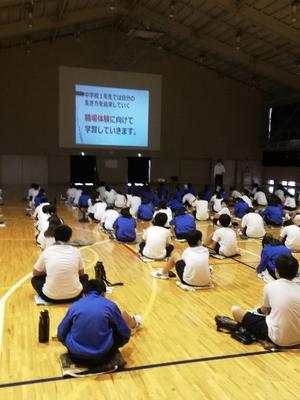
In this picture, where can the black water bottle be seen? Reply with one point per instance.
(44, 327)
(98, 269)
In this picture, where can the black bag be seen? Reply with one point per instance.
(236, 330)
(100, 273)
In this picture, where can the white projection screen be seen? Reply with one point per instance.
(109, 109)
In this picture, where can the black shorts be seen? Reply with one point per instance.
(256, 324)
(179, 266)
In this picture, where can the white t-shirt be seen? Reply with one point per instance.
(110, 196)
(99, 209)
(283, 296)
(226, 238)
(280, 194)
(77, 196)
(219, 169)
(47, 241)
(109, 218)
(189, 197)
(290, 202)
(247, 200)
(255, 225)
(39, 210)
(292, 234)
(297, 219)
(135, 202)
(224, 210)
(236, 194)
(156, 238)
(196, 270)
(166, 211)
(120, 200)
(101, 190)
(201, 210)
(62, 264)
(260, 198)
(71, 192)
(216, 203)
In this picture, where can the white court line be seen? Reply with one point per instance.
(249, 252)
(15, 287)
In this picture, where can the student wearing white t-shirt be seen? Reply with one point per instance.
(252, 225)
(109, 196)
(279, 319)
(290, 202)
(156, 239)
(216, 201)
(99, 209)
(290, 236)
(163, 208)
(188, 199)
(120, 200)
(201, 209)
(135, 202)
(224, 211)
(260, 198)
(58, 274)
(192, 266)
(223, 240)
(108, 218)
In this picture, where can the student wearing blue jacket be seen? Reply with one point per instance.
(145, 211)
(94, 328)
(240, 208)
(183, 224)
(272, 214)
(124, 227)
(272, 248)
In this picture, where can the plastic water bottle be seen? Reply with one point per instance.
(44, 327)
(98, 269)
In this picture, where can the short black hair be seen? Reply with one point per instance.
(179, 211)
(63, 233)
(250, 210)
(126, 213)
(97, 285)
(286, 266)
(193, 237)
(160, 219)
(225, 220)
(271, 240)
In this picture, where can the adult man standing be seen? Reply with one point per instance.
(58, 274)
(219, 171)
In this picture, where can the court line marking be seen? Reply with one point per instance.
(148, 366)
(249, 252)
(4, 298)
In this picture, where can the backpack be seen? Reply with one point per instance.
(235, 329)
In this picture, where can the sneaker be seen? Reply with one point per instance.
(138, 323)
(159, 274)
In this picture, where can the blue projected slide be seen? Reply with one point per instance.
(108, 116)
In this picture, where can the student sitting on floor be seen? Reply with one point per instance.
(163, 208)
(183, 224)
(94, 328)
(235, 194)
(201, 209)
(99, 209)
(280, 319)
(135, 202)
(272, 248)
(252, 225)
(290, 202)
(188, 199)
(41, 197)
(58, 274)
(124, 227)
(216, 201)
(272, 214)
(240, 208)
(224, 211)
(120, 200)
(223, 240)
(192, 266)
(290, 236)
(109, 217)
(83, 204)
(246, 197)
(48, 239)
(145, 211)
(156, 239)
(260, 198)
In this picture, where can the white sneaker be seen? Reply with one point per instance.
(138, 323)
(160, 274)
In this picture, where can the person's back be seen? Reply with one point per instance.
(156, 238)
(268, 257)
(196, 272)
(188, 198)
(125, 227)
(183, 224)
(120, 200)
(92, 333)
(168, 212)
(260, 198)
(201, 210)
(135, 202)
(145, 211)
(291, 234)
(254, 224)
(108, 219)
(240, 208)
(273, 214)
(99, 210)
(284, 319)
(226, 238)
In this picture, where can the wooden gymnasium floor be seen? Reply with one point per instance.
(177, 354)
